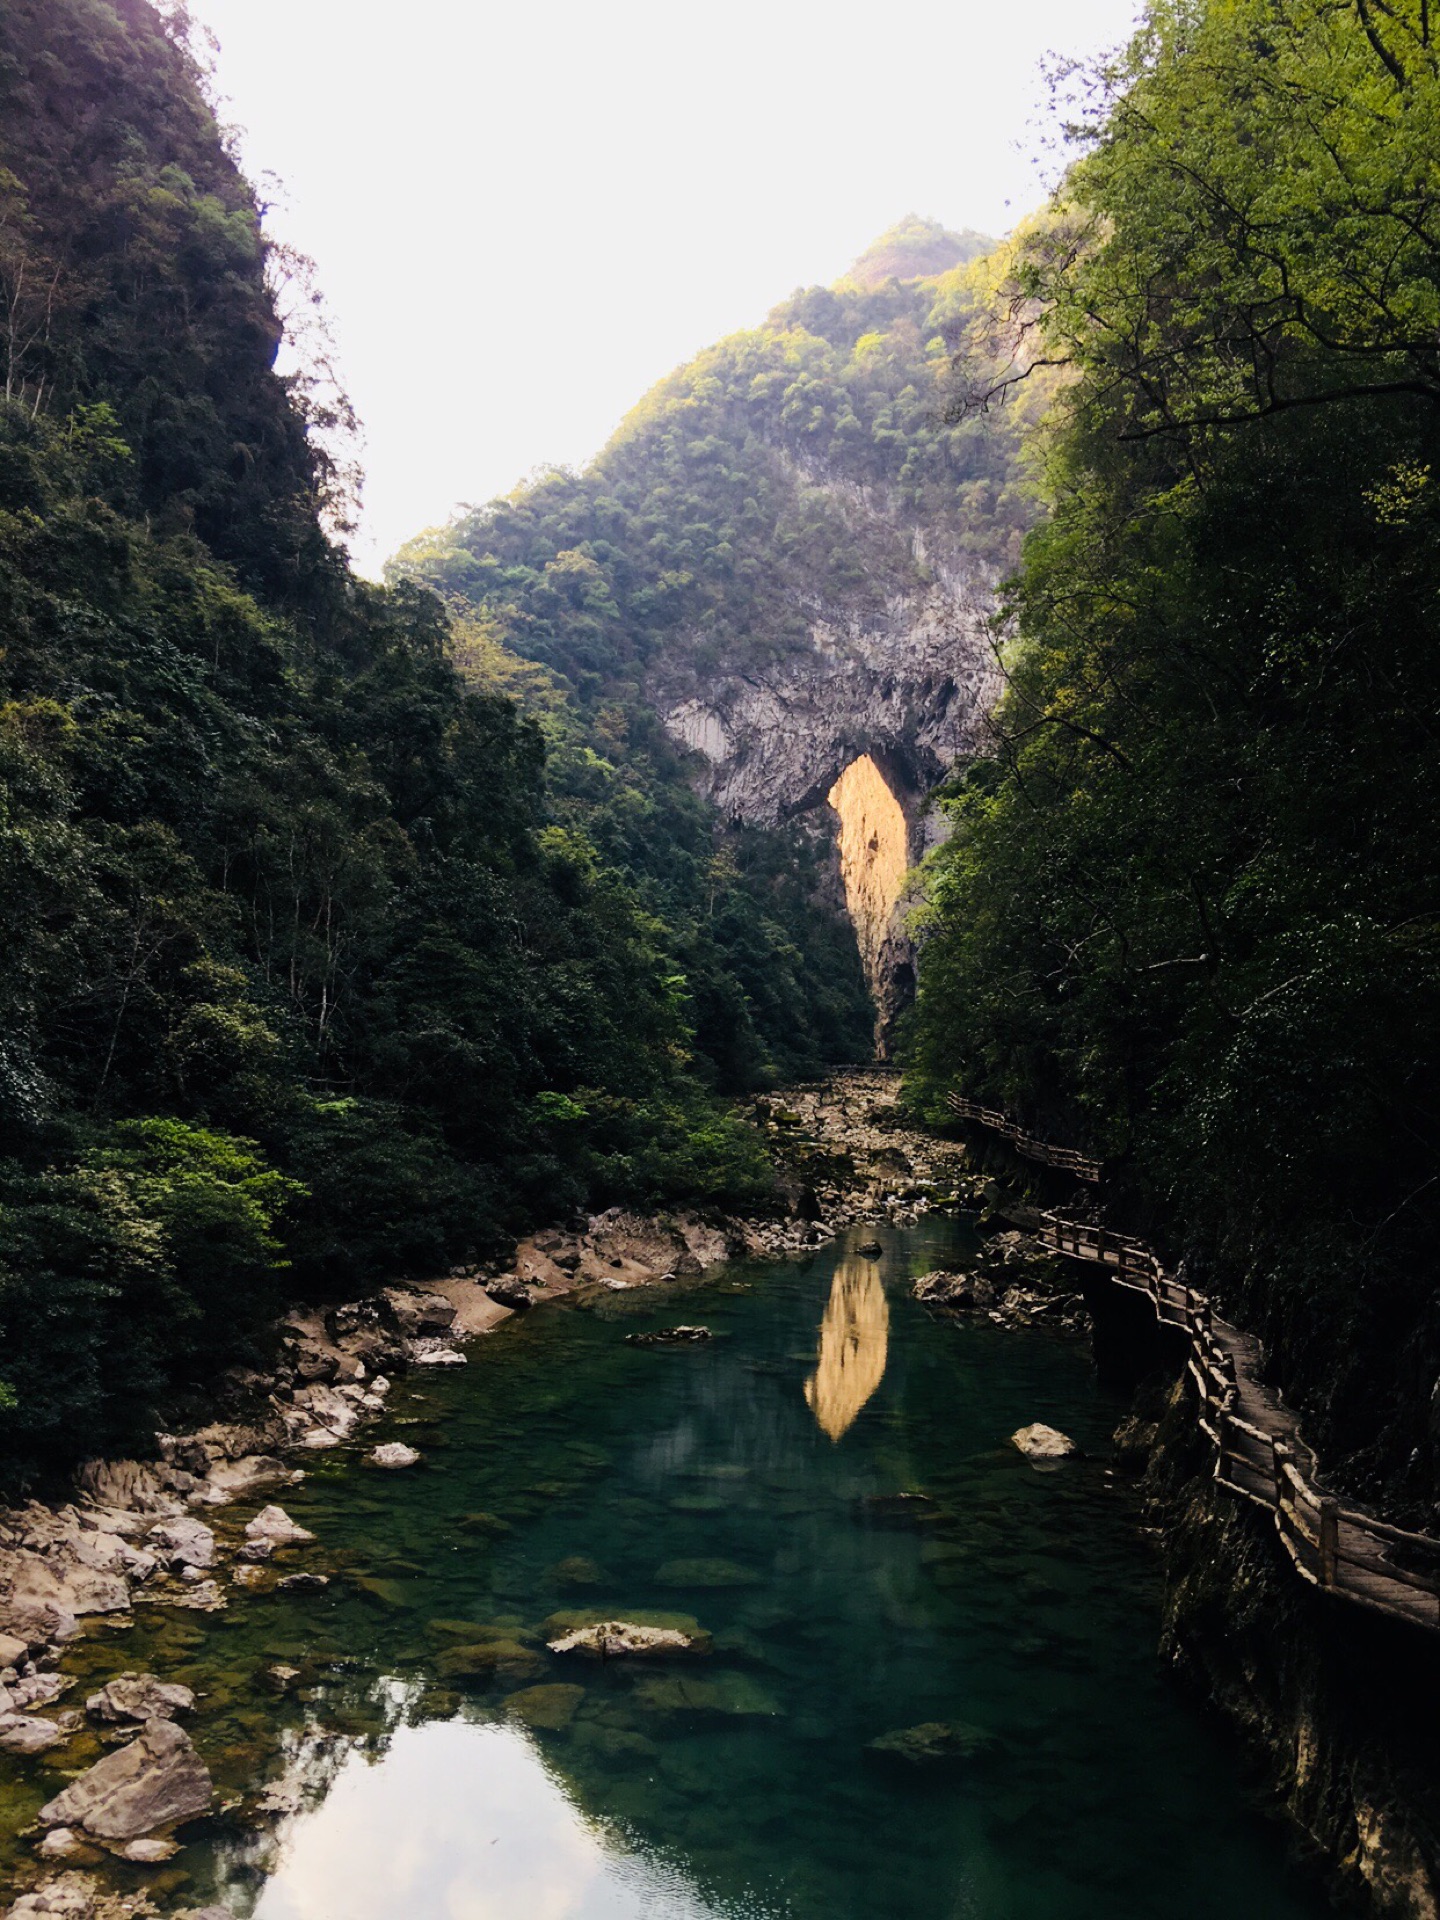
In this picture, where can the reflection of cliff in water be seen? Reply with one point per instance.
(854, 1342)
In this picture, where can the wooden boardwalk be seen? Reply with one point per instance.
(1259, 1451)
(1080, 1164)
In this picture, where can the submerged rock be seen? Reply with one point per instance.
(578, 1570)
(934, 1743)
(139, 1696)
(705, 1573)
(490, 1659)
(1042, 1443)
(732, 1694)
(153, 1784)
(550, 1708)
(615, 1639)
(669, 1337)
(393, 1454)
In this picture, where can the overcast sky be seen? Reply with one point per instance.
(523, 215)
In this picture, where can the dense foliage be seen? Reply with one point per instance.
(304, 980)
(730, 506)
(1190, 911)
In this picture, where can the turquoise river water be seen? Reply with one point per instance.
(827, 1488)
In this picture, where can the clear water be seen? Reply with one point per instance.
(750, 1483)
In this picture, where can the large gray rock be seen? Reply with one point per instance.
(139, 1696)
(1042, 1444)
(149, 1786)
(273, 1526)
(184, 1542)
(27, 1733)
(42, 1595)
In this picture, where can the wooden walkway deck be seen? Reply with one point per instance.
(1260, 1453)
(1080, 1164)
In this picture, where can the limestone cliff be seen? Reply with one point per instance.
(788, 554)
(859, 723)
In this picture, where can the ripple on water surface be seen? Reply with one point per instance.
(824, 1489)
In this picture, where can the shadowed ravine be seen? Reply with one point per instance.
(752, 1483)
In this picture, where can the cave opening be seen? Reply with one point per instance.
(874, 842)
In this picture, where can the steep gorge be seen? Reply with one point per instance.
(787, 555)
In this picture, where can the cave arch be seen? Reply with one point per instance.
(873, 840)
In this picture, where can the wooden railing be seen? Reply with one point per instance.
(1080, 1164)
(1259, 1451)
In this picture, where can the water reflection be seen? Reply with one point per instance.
(465, 1822)
(854, 1342)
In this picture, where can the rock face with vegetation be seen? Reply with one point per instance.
(1187, 915)
(307, 976)
(780, 567)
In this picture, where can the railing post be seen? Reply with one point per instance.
(1280, 1454)
(1329, 1541)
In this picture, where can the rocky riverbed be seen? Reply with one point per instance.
(201, 1525)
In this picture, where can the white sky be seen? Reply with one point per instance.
(525, 214)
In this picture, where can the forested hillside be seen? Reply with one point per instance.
(775, 482)
(304, 981)
(1189, 913)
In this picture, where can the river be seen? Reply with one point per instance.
(826, 1488)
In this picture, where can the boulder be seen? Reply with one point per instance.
(132, 1486)
(302, 1583)
(615, 1639)
(954, 1292)
(35, 1690)
(432, 1353)
(152, 1784)
(12, 1651)
(139, 1696)
(508, 1290)
(871, 1249)
(274, 1527)
(41, 1596)
(149, 1853)
(934, 1743)
(415, 1313)
(27, 1733)
(1042, 1443)
(394, 1453)
(63, 1844)
(183, 1542)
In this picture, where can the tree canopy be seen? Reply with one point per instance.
(1189, 911)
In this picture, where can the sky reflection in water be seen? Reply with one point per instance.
(464, 1822)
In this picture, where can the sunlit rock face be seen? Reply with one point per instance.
(911, 688)
(854, 1346)
(903, 682)
(874, 859)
